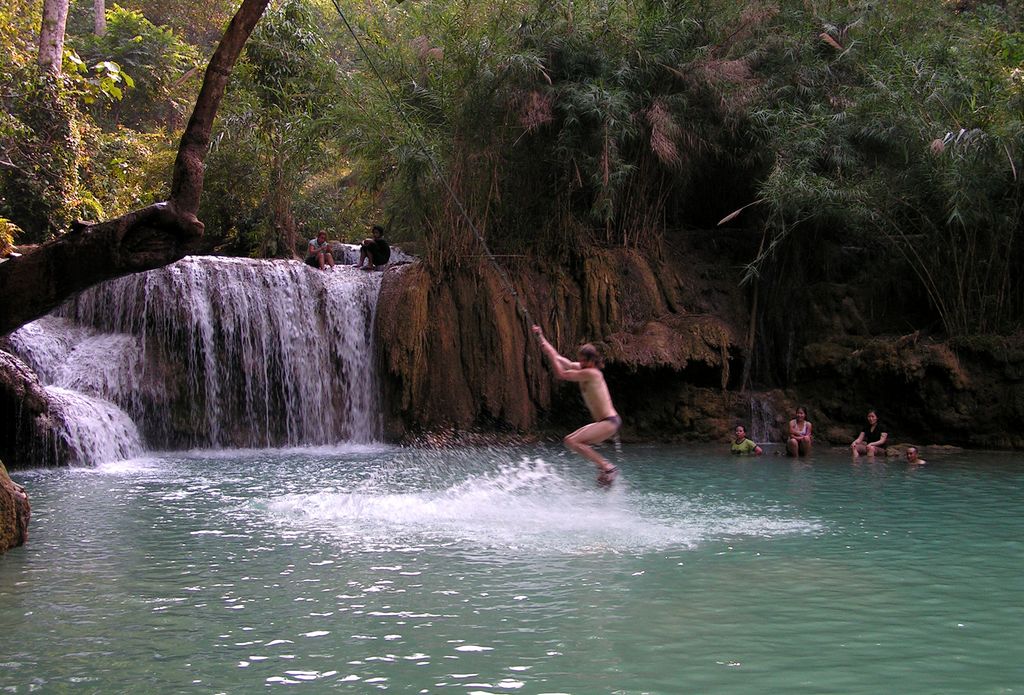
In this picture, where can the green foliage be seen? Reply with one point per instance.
(233, 192)
(129, 170)
(19, 22)
(563, 125)
(907, 138)
(57, 163)
(276, 113)
(890, 127)
(104, 81)
(150, 60)
(8, 233)
(41, 139)
(201, 24)
(840, 131)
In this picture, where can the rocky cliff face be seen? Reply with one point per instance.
(26, 428)
(458, 353)
(455, 354)
(14, 512)
(968, 392)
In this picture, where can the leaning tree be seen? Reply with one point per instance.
(33, 284)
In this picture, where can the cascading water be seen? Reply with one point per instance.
(762, 420)
(218, 352)
(91, 430)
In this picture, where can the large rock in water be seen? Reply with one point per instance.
(14, 512)
(26, 426)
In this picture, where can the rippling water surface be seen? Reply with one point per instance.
(503, 571)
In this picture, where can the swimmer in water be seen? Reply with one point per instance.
(912, 457)
(587, 373)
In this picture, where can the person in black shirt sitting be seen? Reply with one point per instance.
(872, 439)
(375, 250)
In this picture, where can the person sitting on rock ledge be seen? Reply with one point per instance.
(319, 254)
(375, 250)
(742, 445)
(872, 438)
(799, 441)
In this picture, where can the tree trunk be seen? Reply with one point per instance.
(99, 8)
(281, 209)
(187, 184)
(34, 284)
(51, 35)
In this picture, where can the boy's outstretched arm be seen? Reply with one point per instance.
(561, 365)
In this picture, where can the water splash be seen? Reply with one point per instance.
(527, 505)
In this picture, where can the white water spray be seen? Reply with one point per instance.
(485, 502)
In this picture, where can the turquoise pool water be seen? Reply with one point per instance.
(507, 571)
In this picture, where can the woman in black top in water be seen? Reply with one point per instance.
(872, 438)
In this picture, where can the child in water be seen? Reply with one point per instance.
(587, 373)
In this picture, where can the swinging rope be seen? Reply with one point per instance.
(506, 280)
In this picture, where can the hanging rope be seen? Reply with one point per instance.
(506, 280)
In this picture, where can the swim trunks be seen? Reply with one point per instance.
(615, 420)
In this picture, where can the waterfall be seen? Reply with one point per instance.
(762, 420)
(91, 430)
(221, 352)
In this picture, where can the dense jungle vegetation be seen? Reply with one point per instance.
(845, 138)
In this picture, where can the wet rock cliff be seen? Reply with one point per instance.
(14, 512)
(457, 353)
(26, 426)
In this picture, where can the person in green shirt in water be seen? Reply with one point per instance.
(742, 445)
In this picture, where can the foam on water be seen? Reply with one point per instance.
(131, 466)
(525, 506)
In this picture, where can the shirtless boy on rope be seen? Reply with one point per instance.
(587, 373)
